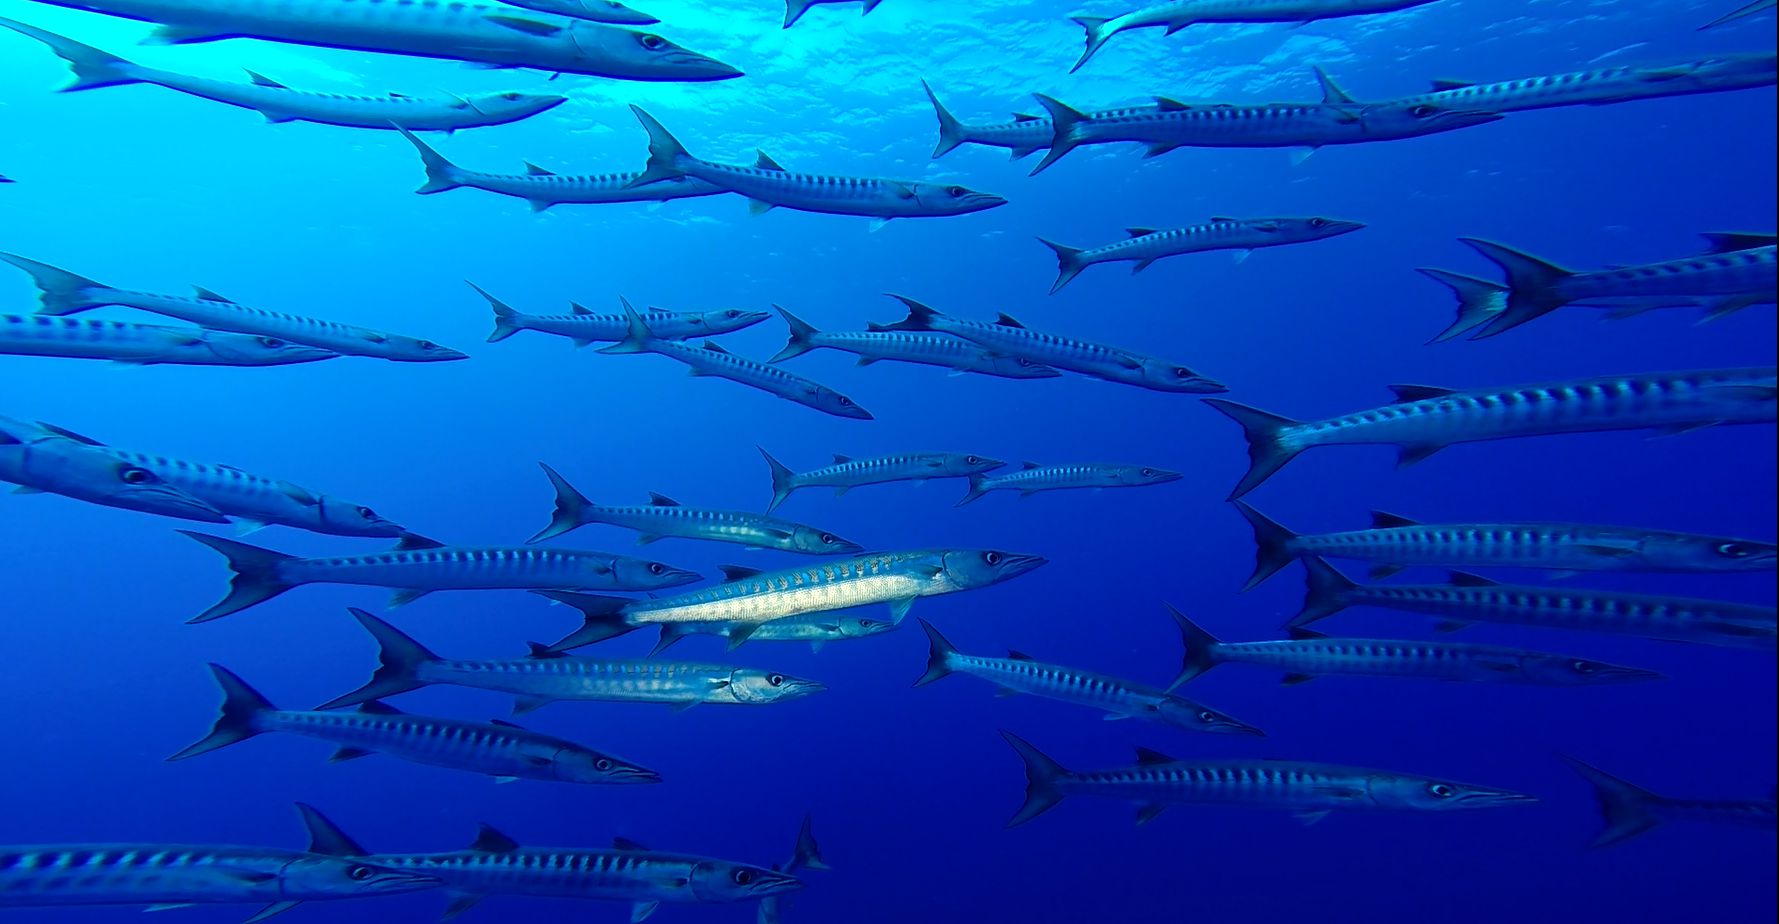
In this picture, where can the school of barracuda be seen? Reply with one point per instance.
(807, 602)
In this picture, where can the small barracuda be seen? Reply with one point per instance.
(750, 598)
(66, 293)
(584, 327)
(1242, 235)
(927, 348)
(847, 472)
(1394, 543)
(1021, 137)
(1737, 266)
(1118, 698)
(418, 566)
(1311, 791)
(278, 103)
(1468, 599)
(405, 665)
(147, 344)
(490, 34)
(498, 749)
(1175, 15)
(43, 459)
(1740, 13)
(1307, 655)
(495, 864)
(1306, 126)
(1619, 84)
(664, 517)
(767, 186)
(1481, 301)
(543, 189)
(1113, 364)
(172, 875)
(606, 11)
(712, 360)
(1426, 419)
(794, 9)
(1629, 810)
(817, 629)
(1034, 478)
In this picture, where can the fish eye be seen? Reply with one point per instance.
(271, 343)
(657, 568)
(1734, 550)
(509, 96)
(956, 192)
(1582, 667)
(1207, 716)
(732, 313)
(137, 476)
(1318, 222)
(864, 623)
(845, 401)
(776, 680)
(1423, 111)
(426, 344)
(360, 873)
(652, 42)
(743, 876)
(828, 539)
(1442, 790)
(993, 558)
(1148, 473)
(972, 460)
(1181, 372)
(602, 764)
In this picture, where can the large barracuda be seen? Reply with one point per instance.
(1602, 85)
(1469, 599)
(498, 749)
(1024, 135)
(1393, 543)
(628, 872)
(1008, 336)
(147, 344)
(1116, 697)
(43, 459)
(278, 103)
(1034, 478)
(1311, 791)
(65, 293)
(1242, 235)
(494, 34)
(664, 517)
(1175, 15)
(1481, 301)
(1426, 419)
(847, 472)
(818, 629)
(543, 189)
(418, 566)
(405, 664)
(927, 348)
(1629, 810)
(1307, 655)
(751, 598)
(585, 327)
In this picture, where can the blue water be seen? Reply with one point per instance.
(144, 188)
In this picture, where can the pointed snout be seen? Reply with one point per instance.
(1489, 798)
(632, 776)
(692, 66)
(1335, 227)
(1203, 385)
(774, 883)
(1017, 564)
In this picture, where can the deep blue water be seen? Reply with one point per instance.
(144, 188)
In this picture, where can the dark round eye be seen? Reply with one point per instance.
(1181, 372)
(367, 513)
(776, 680)
(993, 558)
(509, 96)
(731, 313)
(137, 476)
(1207, 716)
(1734, 550)
(972, 460)
(602, 764)
(271, 342)
(652, 42)
(864, 623)
(1582, 667)
(426, 345)
(1148, 473)
(1423, 111)
(845, 401)
(955, 192)
(1442, 790)
(657, 568)
(828, 539)
(360, 873)
(1318, 222)
(743, 876)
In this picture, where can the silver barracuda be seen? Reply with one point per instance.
(147, 344)
(546, 677)
(1481, 301)
(1426, 419)
(543, 189)
(491, 34)
(766, 185)
(1468, 599)
(418, 566)
(1025, 134)
(1742, 12)
(65, 293)
(1393, 543)
(664, 517)
(1175, 15)
(927, 348)
(1033, 478)
(847, 472)
(794, 9)
(42, 459)
(818, 629)
(1307, 655)
(1243, 235)
(1628, 810)
(584, 327)
(1599, 86)
(278, 103)
(498, 749)
(606, 11)
(751, 598)
(1007, 336)
(1309, 790)
(1117, 698)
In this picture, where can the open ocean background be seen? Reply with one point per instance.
(144, 188)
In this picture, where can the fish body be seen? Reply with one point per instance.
(750, 598)
(1426, 419)
(847, 472)
(794, 9)
(1025, 134)
(585, 327)
(65, 293)
(1468, 598)
(1603, 85)
(1034, 478)
(606, 11)
(1009, 337)
(925, 347)
(493, 34)
(1742, 12)
(1175, 15)
(1628, 810)
(41, 458)
(817, 629)
(147, 344)
(1244, 235)
(419, 566)
(544, 189)
(1481, 301)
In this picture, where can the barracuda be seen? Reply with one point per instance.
(1628, 810)
(147, 344)
(1309, 790)
(1008, 336)
(1175, 15)
(66, 293)
(543, 189)
(42, 459)
(1741, 12)
(1034, 478)
(1307, 655)
(794, 9)
(1469, 598)
(1243, 235)
(1602, 85)
(498, 749)
(1024, 135)
(544, 678)
(847, 472)
(606, 11)
(1395, 543)
(817, 629)
(418, 566)
(1481, 301)
(493, 34)
(750, 598)
(1116, 697)
(1426, 419)
(931, 349)
(665, 517)
(278, 103)
(585, 327)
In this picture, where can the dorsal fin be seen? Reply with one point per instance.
(503, 723)
(1442, 85)
(521, 24)
(378, 707)
(624, 843)
(841, 460)
(1223, 218)
(261, 80)
(69, 434)
(1166, 104)
(490, 840)
(1382, 520)
(540, 651)
(1007, 320)
(532, 169)
(412, 541)
(764, 161)
(715, 347)
(579, 308)
(210, 296)
(737, 572)
(1016, 655)
(1732, 241)
(1301, 634)
(1333, 94)
(1466, 579)
(661, 500)
(1026, 117)
(1406, 393)
(1140, 232)
(1149, 757)
(325, 837)
(1029, 465)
